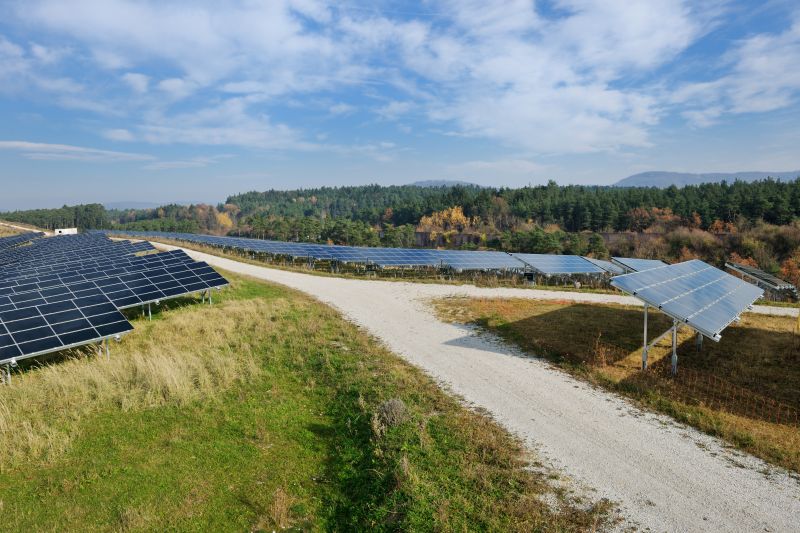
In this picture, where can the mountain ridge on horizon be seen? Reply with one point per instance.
(663, 179)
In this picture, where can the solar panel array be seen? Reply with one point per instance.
(764, 277)
(693, 293)
(560, 264)
(633, 264)
(16, 240)
(68, 291)
(608, 266)
(459, 260)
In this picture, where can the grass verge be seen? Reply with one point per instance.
(728, 389)
(264, 411)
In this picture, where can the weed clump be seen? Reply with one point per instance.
(389, 414)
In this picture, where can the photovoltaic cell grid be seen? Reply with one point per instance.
(53, 311)
(632, 264)
(107, 269)
(608, 266)
(38, 254)
(693, 293)
(16, 240)
(764, 277)
(559, 264)
(54, 319)
(480, 260)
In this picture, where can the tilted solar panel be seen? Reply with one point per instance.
(48, 321)
(608, 266)
(632, 264)
(16, 240)
(693, 293)
(480, 260)
(768, 279)
(559, 264)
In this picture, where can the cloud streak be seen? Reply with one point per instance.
(65, 152)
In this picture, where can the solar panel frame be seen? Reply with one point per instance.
(693, 293)
(550, 265)
(29, 328)
(608, 266)
(634, 264)
(766, 278)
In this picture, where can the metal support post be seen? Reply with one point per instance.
(149, 312)
(674, 347)
(644, 350)
(108, 354)
(209, 297)
(7, 375)
(699, 341)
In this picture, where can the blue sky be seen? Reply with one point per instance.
(116, 100)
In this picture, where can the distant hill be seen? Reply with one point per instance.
(444, 183)
(663, 179)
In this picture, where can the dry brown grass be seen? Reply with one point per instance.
(757, 358)
(191, 356)
(7, 231)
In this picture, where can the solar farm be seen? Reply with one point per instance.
(64, 292)
(541, 268)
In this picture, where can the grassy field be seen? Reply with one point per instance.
(264, 411)
(6, 231)
(727, 389)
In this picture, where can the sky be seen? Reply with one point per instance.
(189, 101)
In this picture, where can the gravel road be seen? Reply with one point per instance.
(665, 476)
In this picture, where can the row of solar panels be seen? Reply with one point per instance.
(67, 291)
(15, 240)
(458, 260)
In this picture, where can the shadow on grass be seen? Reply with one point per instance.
(757, 359)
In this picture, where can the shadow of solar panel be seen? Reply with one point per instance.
(693, 293)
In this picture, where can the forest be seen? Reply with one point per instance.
(753, 222)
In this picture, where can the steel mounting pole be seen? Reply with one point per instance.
(644, 349)
(674, 347)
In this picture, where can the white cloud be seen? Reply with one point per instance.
(119, 134)
(341, 109)
(64, 152)
(394, 109)
(138, 82)
(765, 76)
(509, 71)
(177, 88)
(195, 162)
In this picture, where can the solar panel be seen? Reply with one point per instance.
(480, 260)
(16, 240)
(63, 292)
(559, 264)
(48, 321)
(693, 293)
(632, 264)
(768, 279)
(608, 266)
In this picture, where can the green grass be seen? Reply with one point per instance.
(757, 357)
(260, 412)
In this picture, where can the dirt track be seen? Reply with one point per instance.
(666, 477)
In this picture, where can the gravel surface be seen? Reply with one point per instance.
(665, 476)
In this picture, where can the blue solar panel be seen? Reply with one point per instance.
(480, 260)
(559, 264)
(608, 266)
(693, 293)
(632, 264)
